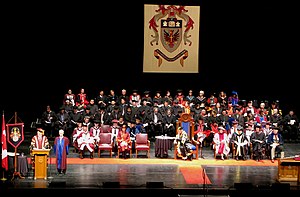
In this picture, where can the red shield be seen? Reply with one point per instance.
(171, 33)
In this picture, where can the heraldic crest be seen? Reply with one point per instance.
(174, 24)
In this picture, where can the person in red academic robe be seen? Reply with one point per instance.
(124, 141)
(61, 150)
(38, 142)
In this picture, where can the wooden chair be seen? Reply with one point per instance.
(105, 143)
(187, 123)
(142, 144)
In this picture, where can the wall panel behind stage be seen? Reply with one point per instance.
(171, 39)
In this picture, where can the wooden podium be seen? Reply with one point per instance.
(289, 170)
(40, 163)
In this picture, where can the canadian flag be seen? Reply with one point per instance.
(4, 146)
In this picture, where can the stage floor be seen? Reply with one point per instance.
(208, 175)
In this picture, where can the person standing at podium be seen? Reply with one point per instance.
(39, 141)
(61, 150)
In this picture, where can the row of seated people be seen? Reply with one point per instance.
(257, 146)
(118, 140)
(239, 140)
(255, 141)
(154, 122)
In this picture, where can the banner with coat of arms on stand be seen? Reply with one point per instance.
(171, 39)
(15, 134)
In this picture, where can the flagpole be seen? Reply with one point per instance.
(2, 151)
(3, 178)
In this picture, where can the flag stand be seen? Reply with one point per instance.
(16, 174)
(3, 178)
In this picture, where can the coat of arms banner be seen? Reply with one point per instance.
(15, 134)
(171, 39)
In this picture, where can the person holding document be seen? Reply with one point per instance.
(275, 142)
(258, 140)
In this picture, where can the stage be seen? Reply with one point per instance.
(171, 176)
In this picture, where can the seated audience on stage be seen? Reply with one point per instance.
(63, 121)
(124, 142)
(86, 141)
(221, 143)
(48, 120)
(183, 145)
(115, 128)
(275, 143)
(95, 131)
(291, 127)
(258, 141)
(200, 134)
(239, 142)
(76, 132)
(169, 123)
(155, 120)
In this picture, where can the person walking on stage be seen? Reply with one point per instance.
(61, 150)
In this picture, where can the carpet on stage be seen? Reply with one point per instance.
(194, 175)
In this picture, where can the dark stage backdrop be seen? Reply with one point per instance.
(49, 48)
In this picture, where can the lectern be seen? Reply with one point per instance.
(289, 170)
(40, 163)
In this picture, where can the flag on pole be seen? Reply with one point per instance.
(4, 146)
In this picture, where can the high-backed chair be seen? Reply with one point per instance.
(105, 128)
(187, 123)
(142, 144)
(105, 143)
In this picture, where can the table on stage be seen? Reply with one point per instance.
(22, 163)
(162, 145)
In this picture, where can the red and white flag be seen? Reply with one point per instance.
(4, 146)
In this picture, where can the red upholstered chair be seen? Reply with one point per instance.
(105, 128)
(142, 144)
(105, 143)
